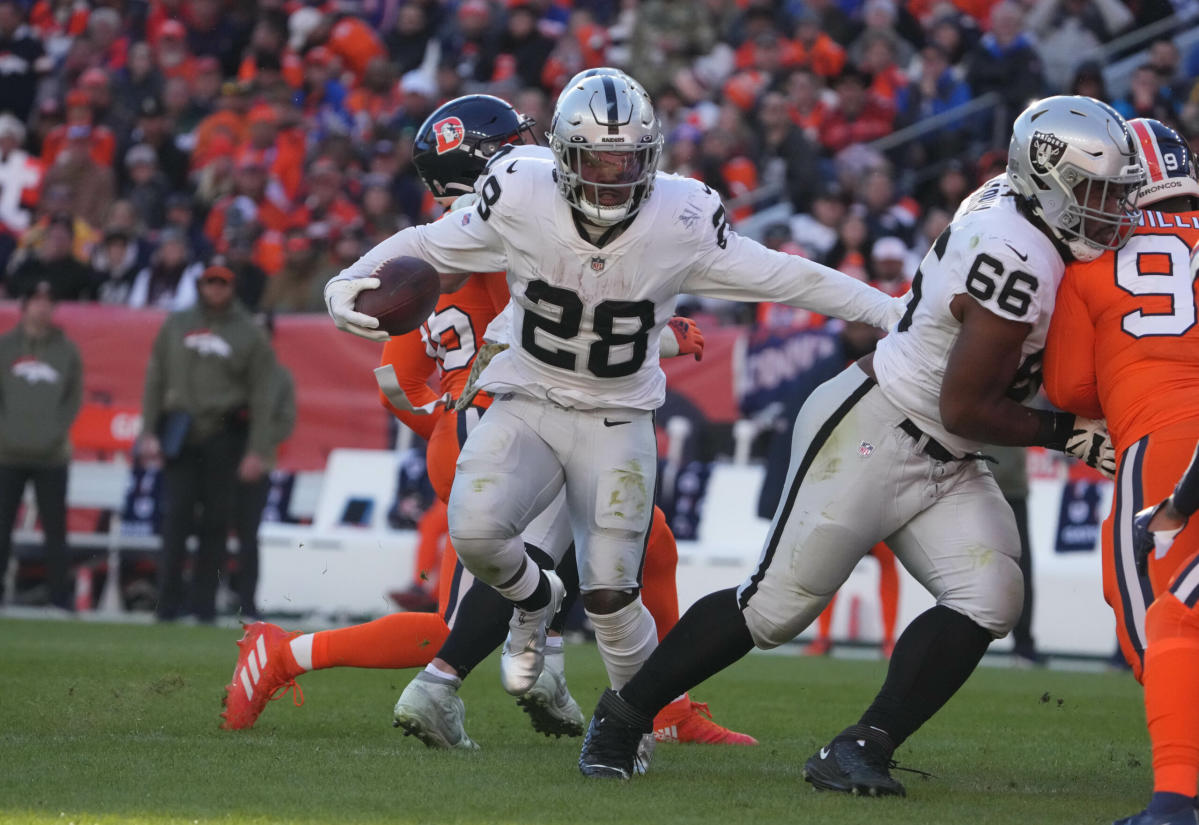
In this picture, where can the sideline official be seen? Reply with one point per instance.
(206, 408)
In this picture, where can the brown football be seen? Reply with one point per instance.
(407, 293)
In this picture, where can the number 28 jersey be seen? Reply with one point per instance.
(1124, 344)
(993, 253)
(586, 320)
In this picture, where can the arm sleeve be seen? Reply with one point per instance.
(1186, 492)
(413, 366)
(741, 269)
(458, 244)
(1070, 380)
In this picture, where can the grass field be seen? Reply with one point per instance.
(118, 723)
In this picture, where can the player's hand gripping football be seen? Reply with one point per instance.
(482, 359)
(1155, 528)
(688, 335)
(1089, 441)
(339, 298)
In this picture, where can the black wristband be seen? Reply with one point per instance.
(1054, 429)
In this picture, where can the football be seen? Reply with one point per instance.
(408, 291)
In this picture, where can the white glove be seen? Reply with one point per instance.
(339, 298)
(1091, 443)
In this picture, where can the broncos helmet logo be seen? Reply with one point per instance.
(450, 133)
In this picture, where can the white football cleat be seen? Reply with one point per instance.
(523, 655)
(551, 708)
(431, 710)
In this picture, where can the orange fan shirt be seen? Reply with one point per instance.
(1123, 342)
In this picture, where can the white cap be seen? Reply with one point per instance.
(889, 249)
(418, 83)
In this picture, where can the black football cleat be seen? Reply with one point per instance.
(1185, 817)
(612, 748)
(857, 761)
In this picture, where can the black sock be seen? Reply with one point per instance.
(568, 571)
(933, 657)
(536, 600)
(480, 626)
(710, 637)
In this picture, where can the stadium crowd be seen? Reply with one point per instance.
(141, 140)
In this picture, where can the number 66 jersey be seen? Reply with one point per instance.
(587, 316)
(992, 252)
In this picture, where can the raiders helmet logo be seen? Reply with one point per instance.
(450, 134)
(597, 264)
(1045, 150)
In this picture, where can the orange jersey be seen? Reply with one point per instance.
(447, 341)
(1123, 343)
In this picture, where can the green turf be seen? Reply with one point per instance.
(118, 723)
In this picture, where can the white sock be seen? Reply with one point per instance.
(441, 675)
(625, 639)
(553, 643)
(301, 649)
(525, 586)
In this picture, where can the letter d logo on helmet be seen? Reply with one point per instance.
(450, 134)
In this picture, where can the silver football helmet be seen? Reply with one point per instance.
(610, 71)
(606, 142)
(1072, 158)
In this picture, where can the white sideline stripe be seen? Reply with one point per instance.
(245, 683)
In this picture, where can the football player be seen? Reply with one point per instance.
(1124, 345)
(597, 245)
(888, 450)
(467, 629)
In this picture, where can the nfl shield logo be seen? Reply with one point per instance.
(597, 264)
(865, 449)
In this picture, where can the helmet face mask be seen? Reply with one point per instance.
(606, 143)
(1072, 159)
(455, 143)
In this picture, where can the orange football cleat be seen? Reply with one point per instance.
(686, 721)
(265, 670)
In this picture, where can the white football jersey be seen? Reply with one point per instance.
(586, 320)
(993, 253)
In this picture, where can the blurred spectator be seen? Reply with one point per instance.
(139, 79)
(851, 251)
(269, 37)
(880, 36)
(1006, 62)
(41, 389)
(666, 38)
(181, 215)
(169, 282)
(881, 58)
(818, 50)
(54, 263)
(1069, 32)
(890, 265)
(807, 107)
(1088, 80)
(146, 187)
(116, 264)
(859, 116)
(785, 156)
(110, 44)
(327, 210)
(957, 35)
(24, 60)
(817, 232)
(100, 140)
(1166, 60)
(352, 40)
(411, 44)
(299, 285)
(55, 202)
(1146, 97)
(249, 279)
(471, 45)
(323, 97)
(154, 131)
(207, 408)
(887, 213)
(212, 33)
(20, 177)
(376, 100)
(91, 184)
(171, 54)
(522, 49)
(380, 217)
(935, 89)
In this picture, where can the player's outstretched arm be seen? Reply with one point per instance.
(975, 400)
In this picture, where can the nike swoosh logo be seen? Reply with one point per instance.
(608, 423)
(511, 167)
(824, 753)
(1017, 251)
